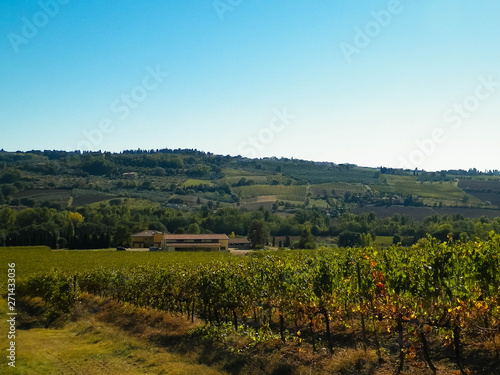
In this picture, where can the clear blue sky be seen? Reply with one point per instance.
(392, 83)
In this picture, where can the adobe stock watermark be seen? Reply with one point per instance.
(372, 29)
(122, 108)
(224, 6)
(30, 27)
(255, 143)
(454, 118)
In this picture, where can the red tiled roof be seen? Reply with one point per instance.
(195, 237)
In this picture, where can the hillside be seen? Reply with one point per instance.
(192, 191)
(60, 179)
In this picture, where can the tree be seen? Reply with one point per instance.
(365, 239)
(307, 240)
(7, 218)
(258, 233)
(287, 241)
(349, 239)
(8, 190)
(75, 218)
(7, 223)
(10, 176)
(121, 236)
(193, 229)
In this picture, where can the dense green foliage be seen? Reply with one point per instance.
(97, 200)
(111, 224)
(60, 180)
(258, 233)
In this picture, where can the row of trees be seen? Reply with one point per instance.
(112, 224)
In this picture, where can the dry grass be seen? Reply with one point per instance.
(107, 337)
(87, 348)
(92, 347)
(235, 356)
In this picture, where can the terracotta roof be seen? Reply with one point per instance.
(191, 244)
(146, 233)
(195, 237)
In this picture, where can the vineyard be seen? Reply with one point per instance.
(424, 303)
(281, 191)
(448, 192)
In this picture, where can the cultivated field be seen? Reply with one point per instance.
(420, 213)
(40, 259)
(364, 311)
(405, 185)
(280, 191)
(194, 183)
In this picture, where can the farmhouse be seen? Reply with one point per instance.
(195, 242)
(181, 242)
(147, 238)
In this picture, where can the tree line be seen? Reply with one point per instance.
(112, 223)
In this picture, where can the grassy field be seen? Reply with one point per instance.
(93, 347)
(340, 188)
(493, 197)
(237, 178)
(262, 200)
(139, 204)
(408, 185)
(194, 182)
(492, 184)
(383, 241)
(82, 197)
(318, 203)
(281, 191)
(65, 197)
(133, 203)
(242, 172)
(32, 260)
(447, 192)
(58, 196)
(155, 197)
(420, 213)
(318, 174)
(484, 190)
(105, 336)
